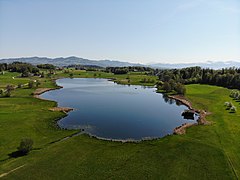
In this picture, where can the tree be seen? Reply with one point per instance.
(226, 104)
(233, 109)
(20, 85)
(30, 84)
(42, 75)
(37, 83)
(9, 88)
(180, 89)
(172, 84)
(25, 146)
(1, 92)
(166, 87)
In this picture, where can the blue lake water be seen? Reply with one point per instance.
(109, 110)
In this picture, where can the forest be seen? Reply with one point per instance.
(25, 69)
(226, 77)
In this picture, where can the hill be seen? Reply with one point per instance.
(61, 61)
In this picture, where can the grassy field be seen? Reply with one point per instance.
(134, 78)
(205, 152)
(11, 79)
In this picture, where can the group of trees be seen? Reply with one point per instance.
(34, 83)
(25, 69)
(85, 67)
(236, 96)
(46, 66)
(226, 77)
(125, 70)
(171, 85)
(117, 70)
(7, 91)
(147, 80)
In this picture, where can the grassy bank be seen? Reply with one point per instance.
(205, 152)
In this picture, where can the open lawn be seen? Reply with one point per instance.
(205, 152)
(12, 78)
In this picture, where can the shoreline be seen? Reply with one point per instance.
(180, 130)
(39, 91)
(200, 121)
(129, 140)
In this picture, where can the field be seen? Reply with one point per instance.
(204, 152)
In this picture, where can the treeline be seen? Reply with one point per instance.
(25, 69)
(46, 66)
(125, 70)
(226, 77)
(171, 85)
(85, 67)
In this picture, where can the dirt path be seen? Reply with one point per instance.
(59, 140)
(67, 137)
(5, 174)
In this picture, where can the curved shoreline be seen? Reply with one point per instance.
(177, 131)
(40, 91)
(200, 121)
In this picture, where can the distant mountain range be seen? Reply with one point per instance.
(208, 64)
(105, 63)
(69, 61)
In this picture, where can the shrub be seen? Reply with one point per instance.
(38, 83)
(25, 145)
(30, 84)
(180, 89)
(226, 104)
(235, 94)
(9, 88)
(1, 92)
(20, 85)
(233, 109)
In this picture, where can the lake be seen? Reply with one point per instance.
(109, 110)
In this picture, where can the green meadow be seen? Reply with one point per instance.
(204, 152)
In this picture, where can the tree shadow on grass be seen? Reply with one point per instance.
(17, 154)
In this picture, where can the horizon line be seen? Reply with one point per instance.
(151, 63)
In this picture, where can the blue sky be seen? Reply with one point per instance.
(142, 31)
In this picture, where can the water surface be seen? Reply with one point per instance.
(109, 110)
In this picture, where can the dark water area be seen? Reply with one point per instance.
(109, 110)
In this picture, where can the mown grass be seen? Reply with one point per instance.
(205, 152)
(12, 78)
